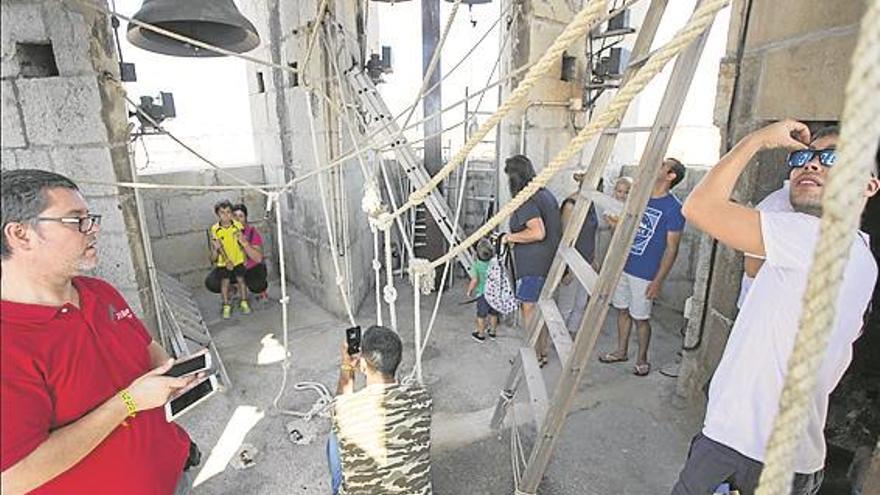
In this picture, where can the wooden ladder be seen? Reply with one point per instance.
(550, 414)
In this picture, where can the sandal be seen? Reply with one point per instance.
(611, 357)
(642, 369)
(542, 360)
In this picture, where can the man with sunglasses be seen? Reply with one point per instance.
(80, 376)
(746, 387)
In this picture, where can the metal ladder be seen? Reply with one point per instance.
(550, 414)
(380, 123)
(182, 316)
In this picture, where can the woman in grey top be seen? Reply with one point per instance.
(535, 231)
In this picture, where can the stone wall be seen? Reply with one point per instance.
(178, 221)
(787, 58)
(60, 113)
(281, 120)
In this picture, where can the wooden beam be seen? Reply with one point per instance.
(556, 328)
(580, 268)
(535, 383)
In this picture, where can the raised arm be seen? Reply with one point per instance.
(709, 206)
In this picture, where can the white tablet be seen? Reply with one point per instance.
(189, 397)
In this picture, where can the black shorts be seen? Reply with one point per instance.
(233, 275)
(255, 278)
(484, 309)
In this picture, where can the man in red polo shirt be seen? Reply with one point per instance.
(81, 381)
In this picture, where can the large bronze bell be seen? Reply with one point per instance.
(216, 22)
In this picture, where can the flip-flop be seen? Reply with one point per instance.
(610, 357)
(642, 369)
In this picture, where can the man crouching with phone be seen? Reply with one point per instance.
(81, 379)
(380, 440)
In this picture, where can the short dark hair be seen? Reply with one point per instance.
(240, 207)
(825, 131)
(23, 195)
(382, 349)
(519, 172)
(485, 250)
(678, 169)
(222, 204)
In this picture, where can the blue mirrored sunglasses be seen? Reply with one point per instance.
(797, 159)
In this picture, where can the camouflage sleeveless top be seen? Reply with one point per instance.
(384, 434)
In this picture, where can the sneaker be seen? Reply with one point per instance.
(227, 311)
(478, 337)
(245, 307)
(492, 334)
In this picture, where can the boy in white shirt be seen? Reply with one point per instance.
(745, 390)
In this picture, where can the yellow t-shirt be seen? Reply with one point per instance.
(226, 236)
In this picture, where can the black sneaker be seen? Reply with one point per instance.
(492, 334)
(478, 337)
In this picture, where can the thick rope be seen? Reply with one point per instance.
(389, 292)
(577, 29)
(700, 20)
(842, 204)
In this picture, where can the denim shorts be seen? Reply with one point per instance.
(484, 309)
(528, 288)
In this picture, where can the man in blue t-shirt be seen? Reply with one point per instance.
(651, 257)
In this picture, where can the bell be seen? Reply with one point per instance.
(215, 22)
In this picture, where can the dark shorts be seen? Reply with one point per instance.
(709, 464)
(528, 288)
(484, 309)
(236, 272)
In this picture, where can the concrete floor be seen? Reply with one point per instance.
(625, 435)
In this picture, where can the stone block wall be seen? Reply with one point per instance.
(178, 221)
(282, 139)
(62, 112)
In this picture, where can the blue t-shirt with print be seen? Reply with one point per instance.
(662, 215)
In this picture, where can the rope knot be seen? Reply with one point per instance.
(389, 293)
(377, 265)
(422, 268)
(383, 222)
(340, 280)
(418, 196)
(371, 203)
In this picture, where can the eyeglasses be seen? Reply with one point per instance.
(84, 224)
(799, 158)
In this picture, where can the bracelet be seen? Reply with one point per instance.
(130, 406)
(346, 368)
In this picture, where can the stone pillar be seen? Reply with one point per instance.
(63, 112)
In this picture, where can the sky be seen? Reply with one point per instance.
(213, 114)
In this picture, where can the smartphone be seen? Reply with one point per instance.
(189, 397)
(194, 363)
(353, 338)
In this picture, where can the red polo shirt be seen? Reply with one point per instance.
(60, 363)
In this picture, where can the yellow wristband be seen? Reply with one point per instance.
(346, 368)
(126, 397)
